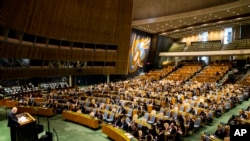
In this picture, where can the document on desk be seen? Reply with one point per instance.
(22, 119)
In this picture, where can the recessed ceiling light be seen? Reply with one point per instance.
(228, 10)
(194, 17)
(210, 14)
(220, 21)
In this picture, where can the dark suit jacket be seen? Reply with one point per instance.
(173, 131)
(117, 122)
(124, 126)
(12, 120)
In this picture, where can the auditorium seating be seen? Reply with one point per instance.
(206, 46)
(177, 47)
(211, 73)
(168, 99)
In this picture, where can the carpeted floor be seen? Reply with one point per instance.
(68, 131)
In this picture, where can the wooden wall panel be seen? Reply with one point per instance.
(8, 74)
(98, 22)
(99, 56)
(111, 56)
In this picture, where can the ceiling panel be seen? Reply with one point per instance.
(184, 24)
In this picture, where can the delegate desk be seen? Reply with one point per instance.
(10, 103)
(116, 133)
(243, 121)
(82, 119)
(48, 112)
(210, 137)
(2, 102)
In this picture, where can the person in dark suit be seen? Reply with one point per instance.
(117, 122)
(13, 123)
(123, 124)
(219, 133)
(243, 115)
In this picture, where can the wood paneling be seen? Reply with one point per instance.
(105, 22)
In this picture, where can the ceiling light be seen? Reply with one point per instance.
(228, 10)
(194, 17)
(220, 21)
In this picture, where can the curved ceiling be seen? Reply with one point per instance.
(178, 25)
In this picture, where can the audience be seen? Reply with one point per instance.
(220, 132)
(138, 94)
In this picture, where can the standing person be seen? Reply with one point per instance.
(13, 123)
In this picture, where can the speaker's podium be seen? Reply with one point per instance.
(27, 129)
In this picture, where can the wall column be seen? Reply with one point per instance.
(108, 78)
(70, 80)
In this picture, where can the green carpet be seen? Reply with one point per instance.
(68, 131)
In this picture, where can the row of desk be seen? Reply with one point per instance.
(82, 119)
(12, 103)
(213, 138)
(47, 112)
(116, 133)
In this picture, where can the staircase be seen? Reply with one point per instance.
(225, 78)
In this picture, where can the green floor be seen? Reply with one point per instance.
(68, 131)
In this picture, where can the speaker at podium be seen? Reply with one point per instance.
(27, 129)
